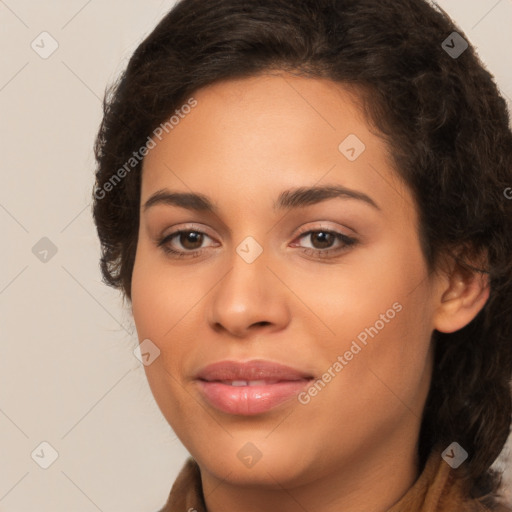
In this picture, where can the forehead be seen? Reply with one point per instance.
(260, 134)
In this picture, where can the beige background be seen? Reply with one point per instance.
(68, 373)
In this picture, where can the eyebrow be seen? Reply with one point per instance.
(287, 200)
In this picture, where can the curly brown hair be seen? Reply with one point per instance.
(443, 119)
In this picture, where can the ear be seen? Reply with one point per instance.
(462, 296)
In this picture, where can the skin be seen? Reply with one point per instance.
(353, 446)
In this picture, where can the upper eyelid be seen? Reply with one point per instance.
(309, 228)
(302, 233)
(189, 227)
(201, 229)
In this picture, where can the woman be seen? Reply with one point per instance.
(305, 203)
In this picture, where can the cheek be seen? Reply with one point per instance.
(166, 305)
(159, 307)
(352, 296)
(380, 311)
(161, 296)
(145, 298)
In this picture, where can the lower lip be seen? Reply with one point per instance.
(250, 400)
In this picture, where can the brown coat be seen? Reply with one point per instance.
(436, 490)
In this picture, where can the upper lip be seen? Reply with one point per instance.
(250, 371)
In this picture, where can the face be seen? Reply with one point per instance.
(330, 284)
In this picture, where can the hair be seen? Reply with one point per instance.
(448, 132)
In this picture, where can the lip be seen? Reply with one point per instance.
(272, 385)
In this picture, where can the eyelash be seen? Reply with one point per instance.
(321, 253)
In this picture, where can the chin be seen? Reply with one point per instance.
(253, 458)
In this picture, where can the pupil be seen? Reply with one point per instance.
(189, 238)
(325, 236)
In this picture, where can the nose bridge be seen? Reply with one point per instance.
(249, 293)
(244, 285)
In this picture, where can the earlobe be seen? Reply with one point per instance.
(462, 300)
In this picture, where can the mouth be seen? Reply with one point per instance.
(240, 383)
(250, 388)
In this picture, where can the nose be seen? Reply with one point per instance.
(248, 299)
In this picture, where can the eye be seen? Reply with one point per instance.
(322, 240)
(190, 240)
(188, 243)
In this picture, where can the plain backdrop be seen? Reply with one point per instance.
(68, 374)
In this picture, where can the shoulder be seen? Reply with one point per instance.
(501, 507)
(490, 504)
(186, 493)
